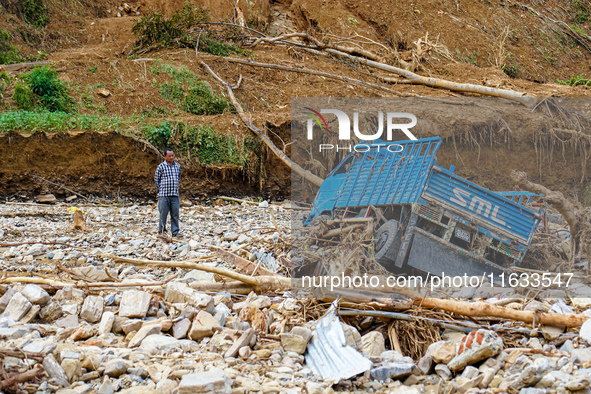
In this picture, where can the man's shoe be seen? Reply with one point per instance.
(178, 236)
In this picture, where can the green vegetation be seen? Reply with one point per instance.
(576, 81)
(4, 81)
(172, 91)
(218, 48)
(180, 74)
(42, 88)
(190, 94)
(582, 12)
(466, 59)
(93, 70)
(352, 21)
(511, 70)
(8, 53)
(155, 30)
(509, 67)
(35, 13)
(201, 100)
(57, 122)
(206, 144)
(159, 135)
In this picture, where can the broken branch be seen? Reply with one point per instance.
(316, 180)
(321, 74)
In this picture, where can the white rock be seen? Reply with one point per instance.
(373, 344)
(6, 297)
(476, 346)
(442, 351)
(54, 370)
(134, 303)
(156, 343)
(150, 329)
(180, 292)
(166, 386)
(106, 324)
(35, 294)
(59, 255)
(199, 276)
(92, 309)
(212, 381)
(585, 331)
(204, 325)
(17, 307)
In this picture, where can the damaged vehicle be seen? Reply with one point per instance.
(430, 220)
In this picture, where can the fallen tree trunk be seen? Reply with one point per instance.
(316, 180)
(484, 309)
(416, 79)
(320, 74)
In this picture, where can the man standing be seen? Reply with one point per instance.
(167, 178)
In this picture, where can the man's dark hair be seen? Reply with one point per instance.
(167, 150)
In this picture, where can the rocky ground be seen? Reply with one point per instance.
(77, 320)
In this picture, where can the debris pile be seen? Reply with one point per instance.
(117, 309)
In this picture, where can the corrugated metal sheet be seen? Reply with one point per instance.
(488, 209)
(382, 177)
(329, 356)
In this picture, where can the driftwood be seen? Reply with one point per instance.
(22, 377)
(244, 265)
(321, 74)
(79, 223)
(341, 231)
(259, 283)
(279, 284)
(484, 309)
(316, 180)
(18, 353)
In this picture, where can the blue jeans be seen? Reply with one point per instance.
(168, 204)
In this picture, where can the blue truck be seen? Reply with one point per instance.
(430, 219)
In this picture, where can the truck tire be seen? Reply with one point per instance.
(386, 245)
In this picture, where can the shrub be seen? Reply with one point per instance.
(575, 81)
(51, 92)
(24, 97)
(218, 48)
(8, 53)
(202, 101)
(159, 135)
(35, 13)
(154, 28)
(172, 91)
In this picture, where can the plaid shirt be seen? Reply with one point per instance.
(167, 179)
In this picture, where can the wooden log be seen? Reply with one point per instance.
(484, 309)
(320, 74)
